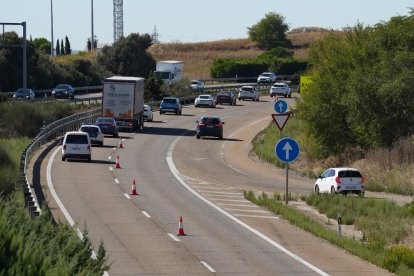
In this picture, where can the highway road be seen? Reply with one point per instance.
(202, 181)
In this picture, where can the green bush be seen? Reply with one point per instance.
(398, 256)
(232, 67)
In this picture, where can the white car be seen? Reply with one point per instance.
(340, 181)
(148, 115)
(248, 92)
(205, 100)
(266, 77)
(197, 84)
(95, 134)
(280, 89)
(76, 145)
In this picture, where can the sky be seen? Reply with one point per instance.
(185, 20)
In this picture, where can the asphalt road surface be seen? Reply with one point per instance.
(201, 181)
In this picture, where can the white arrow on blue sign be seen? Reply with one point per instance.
(287, 150)
(280, 106)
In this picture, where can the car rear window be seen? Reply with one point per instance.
(89, 129)
(205, 97)
(76, 139)
(247, 89)
(279, 85)
(169, 101)
(210, 121)
(349, 173)
(223, 94)
(105, 121)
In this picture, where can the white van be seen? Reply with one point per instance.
(77, 145)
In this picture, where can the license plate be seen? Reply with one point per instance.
(210, 126)
(350, 187)
(75, 148)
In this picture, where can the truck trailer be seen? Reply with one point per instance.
(169, 71)
(123, 99)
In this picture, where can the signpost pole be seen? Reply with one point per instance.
(287, 178)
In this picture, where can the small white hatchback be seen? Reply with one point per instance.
(76, 145)
(341, 181)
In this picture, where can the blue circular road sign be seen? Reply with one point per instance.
(280, 106)
(287, 150)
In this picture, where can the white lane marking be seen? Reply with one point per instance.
(174, 237)
(146, 214)
(269, 217)
(109, 157)
(212, 270)
(114, 148)
(59, 202)
(225, 193)
(127, 196)
(111, 169)
(250, 211)
(231, 136)
(176, 174)
(116, 180)
(239, 205)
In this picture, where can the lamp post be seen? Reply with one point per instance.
(92, 37)
(52, 50)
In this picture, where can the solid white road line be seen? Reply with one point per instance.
(127, 196)
(208, 267)
(177, 174)
(109, 157)
(174, 237)
(111, 169)
(146, 214)
(116, 180)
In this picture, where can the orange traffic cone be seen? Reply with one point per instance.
(117, 166)
(180, 227)
(120, 144)
(134, 188)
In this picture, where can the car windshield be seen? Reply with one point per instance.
(169, 101)
(146, 108)
(104, 121)
(279, 85)
(349, 173)
(210, 121)
(194, 82)
(62, 86)
(76, 139)
(22, 92)
(266, 75)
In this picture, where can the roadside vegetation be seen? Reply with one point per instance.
(383, 239)
(35, 246)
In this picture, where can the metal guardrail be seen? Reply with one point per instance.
(46, 135)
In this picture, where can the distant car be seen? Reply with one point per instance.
(63, 91)
(280, 89)
(340, 181)
(226, 97)
(266, 77)
(108, 125)
(205, 100)
(210, 126)
(148, 115)
(24, 94)
(95, 134)
(248, 92)
(76, 145)
(197, 84)
(170, 104)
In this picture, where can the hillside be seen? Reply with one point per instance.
(198, 57)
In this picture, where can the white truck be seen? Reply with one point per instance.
(169, 71)
(123, 99)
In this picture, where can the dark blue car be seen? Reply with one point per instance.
(210, 126)
(170, 104)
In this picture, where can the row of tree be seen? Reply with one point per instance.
(362, 93)
(63, 49)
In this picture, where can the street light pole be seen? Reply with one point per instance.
(92, 37)
(52, 50)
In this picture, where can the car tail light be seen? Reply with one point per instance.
(362, 179)
(201, 124)
(338, 180)
(217, 125)
(89, 148)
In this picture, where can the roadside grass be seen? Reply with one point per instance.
(68, 59)
(375, 249)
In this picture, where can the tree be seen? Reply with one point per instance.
(62, 48)
(42, 44)
(57, 48)
(128, 56)
(68, 50)
(270, 32)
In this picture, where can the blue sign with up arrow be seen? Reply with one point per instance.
(287, 150)
(280, 106)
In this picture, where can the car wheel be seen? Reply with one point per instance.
(160, 112)
(63, 158)
(317, 190)
(89, 159)
(332, 190)
(290, 95)
(101, 144)
(179, 113)
(116, 135)
(198, 136)
(221, 137)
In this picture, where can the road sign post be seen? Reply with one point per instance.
(287, 150)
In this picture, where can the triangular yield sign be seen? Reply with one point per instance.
(280, 119)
